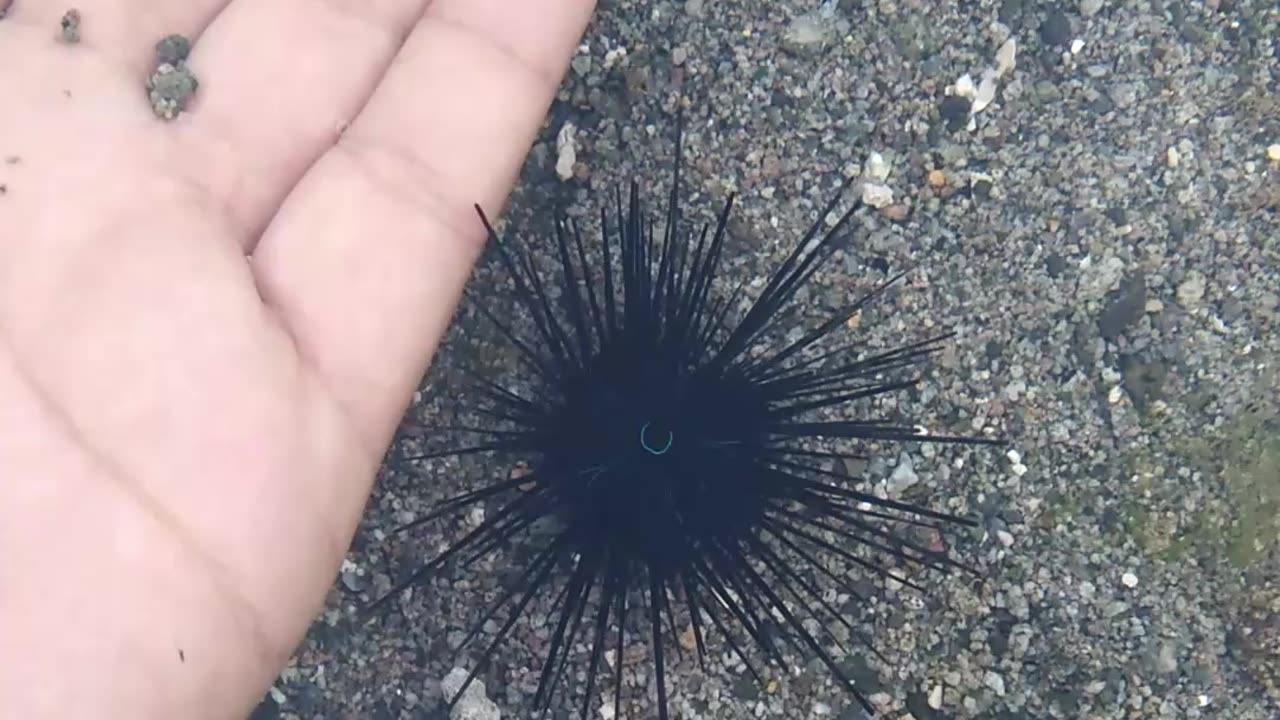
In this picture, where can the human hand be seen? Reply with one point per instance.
(210, 328)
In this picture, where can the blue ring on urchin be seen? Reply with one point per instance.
(676, 456)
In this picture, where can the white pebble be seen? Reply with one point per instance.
(1005, 538)
(1077, 45)
(1129, 580)
(877, 167)
(821, 709)
(935, 697)
(1273, 152)
(566, 151)
(877, 195)
(994, 681)
(1172, 157)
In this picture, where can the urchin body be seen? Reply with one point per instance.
(684, 454)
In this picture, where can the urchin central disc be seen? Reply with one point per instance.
(647, 436)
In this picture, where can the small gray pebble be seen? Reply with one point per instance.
(169, 88)
(173, 49)
(71, 26)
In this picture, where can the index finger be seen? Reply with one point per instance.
(367, 258)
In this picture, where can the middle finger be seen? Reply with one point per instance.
(279, 81)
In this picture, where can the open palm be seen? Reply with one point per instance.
(209, 328)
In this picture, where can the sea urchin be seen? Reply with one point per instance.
(684, 456)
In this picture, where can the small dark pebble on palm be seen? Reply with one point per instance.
(172, 84)
(173, 49)
(71, 26)
(169, 88)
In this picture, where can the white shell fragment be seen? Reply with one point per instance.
(1006, 57)
(983, 92)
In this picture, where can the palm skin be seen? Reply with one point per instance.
(210, 328)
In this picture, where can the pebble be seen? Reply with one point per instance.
(954, 110)
(1191, 290)
(173, 49)
(810, 30)
(566, 151)
(1273, 152)
(935, 697)
(1056, 29)
(903, 477)
(474, 703)
(877, 168)
(1167, 659)
(1005, 538)
(995, 681)
(880, 699)
(896, 212)
(71, 26)
(1129, 580)
(1089, 8)
(877, 195)
(170, 88)
(1099, 278)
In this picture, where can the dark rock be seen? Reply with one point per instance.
(918, 706)
(1054, 265)
(955, 111)
(1056, 29)
(172, 49)
(1125, 308)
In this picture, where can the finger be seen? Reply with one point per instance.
(281, 78)
(124, 32)
(367, 258)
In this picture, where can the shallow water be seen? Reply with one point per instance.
(1102, 237)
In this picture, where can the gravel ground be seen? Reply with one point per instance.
(1102, 233)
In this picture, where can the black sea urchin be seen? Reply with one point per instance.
(681, 456)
